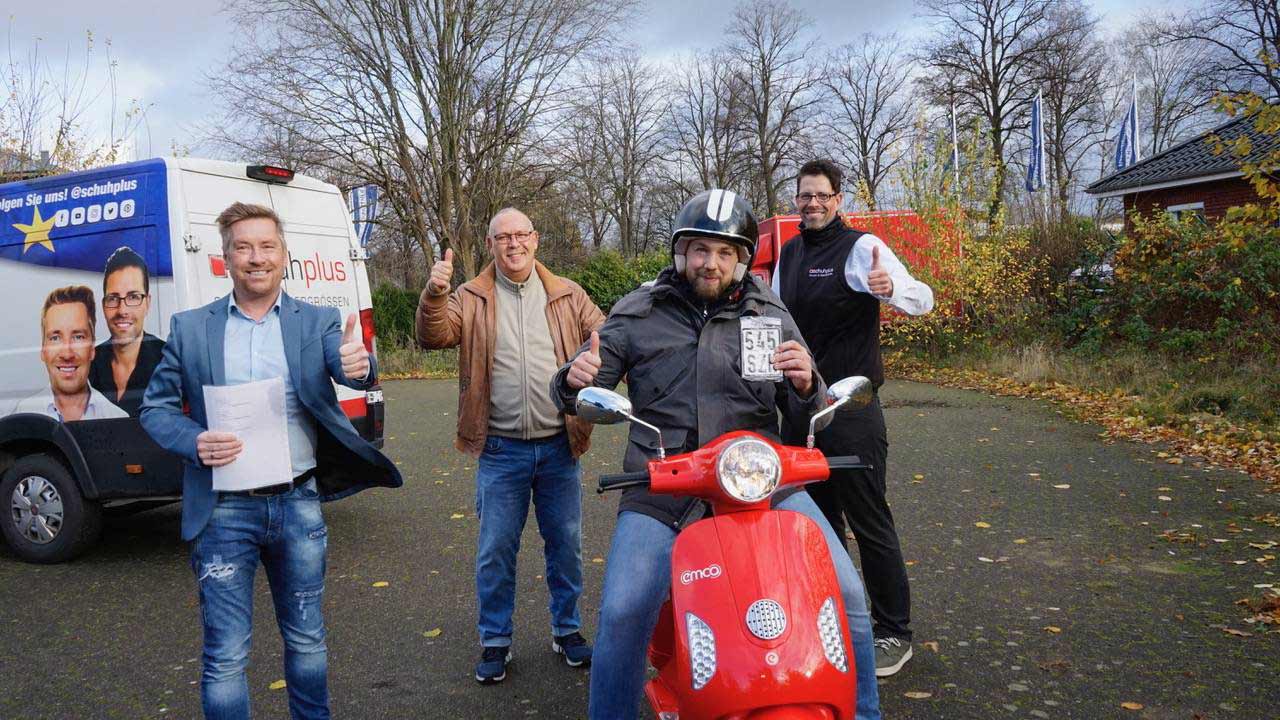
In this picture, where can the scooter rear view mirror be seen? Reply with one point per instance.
(603, 407)
(599, 406)
(851, 393)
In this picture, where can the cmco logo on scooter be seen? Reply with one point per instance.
(710, 571)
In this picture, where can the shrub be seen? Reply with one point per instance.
(393, 311)
(607, 276)
(982, 291)
(1192, 288)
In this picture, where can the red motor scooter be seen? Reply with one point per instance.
(754, 628)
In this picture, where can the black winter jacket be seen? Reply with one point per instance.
(682, 362)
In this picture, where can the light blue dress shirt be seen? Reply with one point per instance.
(254, 350)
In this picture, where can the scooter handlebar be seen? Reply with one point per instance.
(848, 462)
(618, 481)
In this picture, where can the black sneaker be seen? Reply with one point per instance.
(493, 665)
(574, 648)
(891, 655)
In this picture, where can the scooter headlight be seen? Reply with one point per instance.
(749, 470)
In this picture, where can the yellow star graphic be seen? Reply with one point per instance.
(37, 233)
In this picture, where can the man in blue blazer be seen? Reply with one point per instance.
(255, 333)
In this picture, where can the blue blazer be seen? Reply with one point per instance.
(193, 358)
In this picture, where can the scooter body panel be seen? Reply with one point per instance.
(720, 567)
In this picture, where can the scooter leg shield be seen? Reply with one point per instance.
(749, 588)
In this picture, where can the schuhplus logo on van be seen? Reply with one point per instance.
(710, 571)
(312, 269)
(218, 266)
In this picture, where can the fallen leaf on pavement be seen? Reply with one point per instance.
(1063, 486)
(1052, 629)
(917, 695)
(1237, 633)
(434, 632)
(985, 559)
(987, 525)
(1020, 541)
(930, 645)
(1131, 705)
(381, 583)
(456, 516)
(277, 685)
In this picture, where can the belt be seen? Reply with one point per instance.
(280, 489)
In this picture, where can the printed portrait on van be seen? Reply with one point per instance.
(66, 350)
(123, 363)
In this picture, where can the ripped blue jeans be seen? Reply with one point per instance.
(287, 535)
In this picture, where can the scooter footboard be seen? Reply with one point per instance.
(758, 619)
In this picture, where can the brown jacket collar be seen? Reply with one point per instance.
(483, 283)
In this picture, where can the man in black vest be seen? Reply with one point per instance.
(833, 278)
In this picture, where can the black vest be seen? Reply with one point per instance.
(841, 325)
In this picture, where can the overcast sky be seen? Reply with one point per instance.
(163, 50)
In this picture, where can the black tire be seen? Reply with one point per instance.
(80, 521)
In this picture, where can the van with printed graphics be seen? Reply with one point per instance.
(94, 264)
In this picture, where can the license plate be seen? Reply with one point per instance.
(760, 337)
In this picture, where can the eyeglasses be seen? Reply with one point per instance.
(804, 198)
(513, 238)
(133, 299)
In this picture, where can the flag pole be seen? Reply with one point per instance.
(1137, 146)
(955, 148)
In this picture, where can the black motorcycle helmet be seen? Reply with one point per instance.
(720, 214)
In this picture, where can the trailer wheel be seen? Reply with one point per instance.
(45, 519)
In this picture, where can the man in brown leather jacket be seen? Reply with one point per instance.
(516, 323)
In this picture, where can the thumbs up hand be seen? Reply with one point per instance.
(355, 356)
(878, 280)
(582, 372)
(441, 274)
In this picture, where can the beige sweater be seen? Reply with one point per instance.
(524, 359)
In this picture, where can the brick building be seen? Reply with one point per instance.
(1189, 177)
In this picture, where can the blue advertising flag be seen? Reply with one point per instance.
(1127, 141)
(364, 209)
(1035, 166)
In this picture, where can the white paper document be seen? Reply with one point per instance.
(255, 412)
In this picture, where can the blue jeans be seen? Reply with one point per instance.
(637, 581)
(287, 534)
(510, 472)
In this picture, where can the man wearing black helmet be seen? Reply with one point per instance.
(833, 278)
(679, 344)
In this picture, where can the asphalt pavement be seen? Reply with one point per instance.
(1053, 576)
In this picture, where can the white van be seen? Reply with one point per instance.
(71, 447)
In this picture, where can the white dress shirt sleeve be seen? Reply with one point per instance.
(909, 295)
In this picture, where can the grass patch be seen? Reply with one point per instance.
(1163, 388)
(403, 360)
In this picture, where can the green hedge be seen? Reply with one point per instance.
(393, 310)
(607, 276)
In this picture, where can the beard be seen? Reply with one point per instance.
(708, 287)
